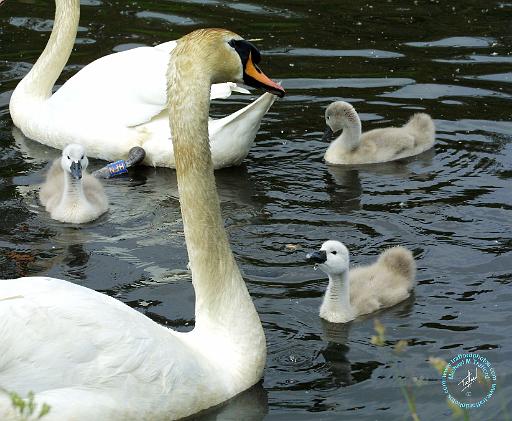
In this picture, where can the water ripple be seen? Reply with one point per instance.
(316, 52)
(436, 91)
(359, 83)
(173, 19)
(454, 42)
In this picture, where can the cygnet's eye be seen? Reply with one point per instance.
(82, 157)
(334, 252)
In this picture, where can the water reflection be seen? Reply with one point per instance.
(335, 353)
(343, 184)
(251, 405)
(234, 184)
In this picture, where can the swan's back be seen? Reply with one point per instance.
(90, 350)
(416, 136)
(384, 283)
(129, 87)
(382, 145)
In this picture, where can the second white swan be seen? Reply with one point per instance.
(119, 101)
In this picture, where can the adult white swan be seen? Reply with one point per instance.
(117, 102)
(90, 356)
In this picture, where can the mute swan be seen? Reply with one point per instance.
(378, 145)
(118, 102)
(90, 356)
(69, 193)
(367, 288)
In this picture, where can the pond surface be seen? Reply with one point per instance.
(452, 205)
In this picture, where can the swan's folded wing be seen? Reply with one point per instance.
(126, 88)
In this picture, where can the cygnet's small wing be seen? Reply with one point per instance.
(53, 187)
(384, 283)
(386, 144)
(400, 261)
(422, 128)
(95, 193)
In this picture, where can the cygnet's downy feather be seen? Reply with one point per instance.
(374, 146)
(69, 193)
(364, 289)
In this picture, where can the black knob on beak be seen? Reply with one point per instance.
(328, 134)
(317, 257)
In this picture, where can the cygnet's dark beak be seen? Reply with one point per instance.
(329, 134)
(76, 170)
(317, 257)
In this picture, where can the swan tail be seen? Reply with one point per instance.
(423, 128)
(252, 114)
(400, 260)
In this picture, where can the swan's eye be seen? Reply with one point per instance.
(69, 157)
(82, 157)
(334, 252)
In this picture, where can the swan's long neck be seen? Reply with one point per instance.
(337, 296)
(39, 81)
(350, 138)
(223, 304)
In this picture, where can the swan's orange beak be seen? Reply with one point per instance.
(253, 76)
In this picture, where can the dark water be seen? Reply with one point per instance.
(452, 206)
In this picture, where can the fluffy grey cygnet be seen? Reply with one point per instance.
(364, 289)
(70, 194)
(379, 145)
